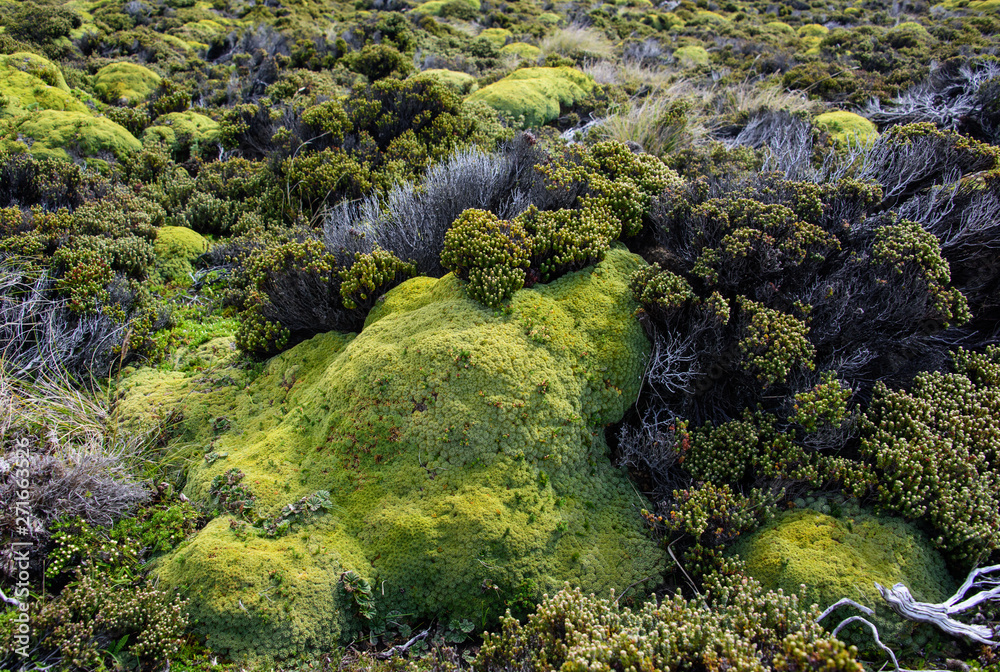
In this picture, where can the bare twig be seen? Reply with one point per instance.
(940, 615)
(402, 648)
(10, 600)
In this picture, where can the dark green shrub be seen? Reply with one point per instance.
(313, 180)
(39, 23)
(734, 625)
(294, 293)
(370, 276)
(492, 254)
(935, 450)
(377, 61)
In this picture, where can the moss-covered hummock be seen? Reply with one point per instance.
(528, 52)
(691, 56)
(844, 557)
(535, 96)
(125, 82)
(497, 36)
(463, 451)
(57, 134)
(846, 126)
(459, 82)
(29, 83)
(181, 130)
(176, 247)
(435, 7)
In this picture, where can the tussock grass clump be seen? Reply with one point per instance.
(578, 42)
(79, 463)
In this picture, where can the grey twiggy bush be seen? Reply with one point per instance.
(411, 220)
(40, 334)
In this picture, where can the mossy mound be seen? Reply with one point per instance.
(182, 130)
(176, 247)
(463, 451)
(846, 126)
(57, 134)
(125, 82)
(497, 36)
(29, 83)
(909, 34)
(780, 28)
(460, 82)
(37, 66)
(435, 7)
(691, 56)
(535, 96)
(813, 30)
(844, 557)
(528, 52)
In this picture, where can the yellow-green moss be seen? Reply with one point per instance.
(434, 7)
(813, 30)
(780, 27)
(58, 134)
(844, 557)
(184, 129)
(125, 82)
(843, 126)
(462, 448)
(691, 56)
(29, 83)
(535, 95)
(176, 247)
(497, 36)
(460, 82)
(37, 66)
(528, 52)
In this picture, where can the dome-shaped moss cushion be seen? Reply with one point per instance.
(184, 129)
(844, 557)
(176, 247)
(30, 82)
(57, 134)
(536, 95)
(843, 126)
(463, 450)
(124, 81)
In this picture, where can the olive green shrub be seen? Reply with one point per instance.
(606, 192)
(734, 625)
(933, 449)
(493, 255)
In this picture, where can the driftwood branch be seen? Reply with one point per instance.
(985, 580)
(401, 648)
(10, 600)
(844, 602)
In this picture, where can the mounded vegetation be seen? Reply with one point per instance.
(465, 335)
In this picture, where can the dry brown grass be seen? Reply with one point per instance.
(578, 42)
(68, 449)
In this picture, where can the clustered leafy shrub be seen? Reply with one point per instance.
(934, 451)
(93, 617)
(298, 289)
(734, 625)
(777, 309)
(492, 254)
(600, 194)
